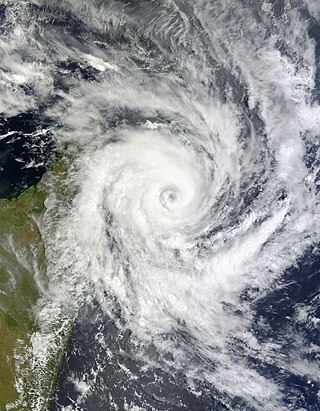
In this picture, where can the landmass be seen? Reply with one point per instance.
(22, 274)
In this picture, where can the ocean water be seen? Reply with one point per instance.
(188, 259)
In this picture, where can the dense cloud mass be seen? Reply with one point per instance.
(188, 255)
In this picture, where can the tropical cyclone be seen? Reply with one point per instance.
(191, 193)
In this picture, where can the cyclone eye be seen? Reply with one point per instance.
(168, 197)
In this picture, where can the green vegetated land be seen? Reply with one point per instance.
(22, 258)
(22, 264)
